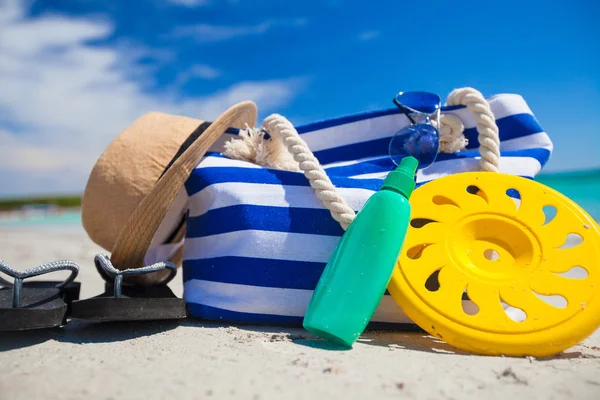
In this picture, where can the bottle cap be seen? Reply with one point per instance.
(402, 179)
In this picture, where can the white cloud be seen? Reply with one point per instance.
(196, 3)
(204, 72)
(214, 33)
(205, 33)
(198, 71)
(189, 3)
(369, 35)
(63, 100)
(269, 95)
(29, 157)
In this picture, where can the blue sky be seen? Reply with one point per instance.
(74, 73)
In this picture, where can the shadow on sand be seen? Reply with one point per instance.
(81, 332)
(410, 337)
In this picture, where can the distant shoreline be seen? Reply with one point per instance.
(40, 203)
(25, 213)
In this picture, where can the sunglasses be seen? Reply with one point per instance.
(420, 139)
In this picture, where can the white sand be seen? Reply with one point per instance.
(196, 359)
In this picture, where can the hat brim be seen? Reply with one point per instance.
(134, 240)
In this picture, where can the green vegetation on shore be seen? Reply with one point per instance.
(59, 201)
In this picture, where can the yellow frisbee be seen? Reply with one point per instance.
(497, 264)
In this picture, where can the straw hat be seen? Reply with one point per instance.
(137, 178)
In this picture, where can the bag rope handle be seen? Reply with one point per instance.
(280, 128)
(489, 137)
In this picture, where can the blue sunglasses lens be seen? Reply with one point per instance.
(420, 141)
(424, 102)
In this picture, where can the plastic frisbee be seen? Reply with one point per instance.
(498, 264)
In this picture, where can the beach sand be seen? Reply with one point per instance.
(197, 359)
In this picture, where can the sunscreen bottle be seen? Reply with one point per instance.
(362, 264)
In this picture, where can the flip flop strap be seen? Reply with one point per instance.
(53, 266)
(115, 276)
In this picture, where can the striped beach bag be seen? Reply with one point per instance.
(258, 238)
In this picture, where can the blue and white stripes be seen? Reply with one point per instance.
(258, 239)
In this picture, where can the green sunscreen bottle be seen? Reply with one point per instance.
(362, 264)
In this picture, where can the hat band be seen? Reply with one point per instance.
(186, 144)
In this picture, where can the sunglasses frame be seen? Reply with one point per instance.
(407, 111)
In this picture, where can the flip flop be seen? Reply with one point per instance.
(37, 304)
(123, 302)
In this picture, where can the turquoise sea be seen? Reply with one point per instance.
(583, 187)
(65, 218)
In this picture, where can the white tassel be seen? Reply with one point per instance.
(252, 146)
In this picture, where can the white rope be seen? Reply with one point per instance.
(489, 140)
(451, 140)
(280, 128)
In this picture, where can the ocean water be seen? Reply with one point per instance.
(581, 187)
(66, 218)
